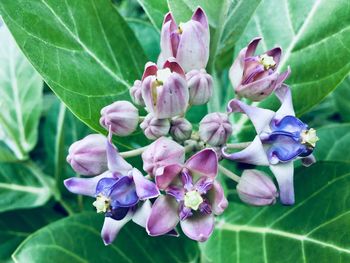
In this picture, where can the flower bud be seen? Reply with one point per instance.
(187, 42)
(136, 93)
(161, 153)
(88, 156)
(121, 116)
(165, 91)
(154, 128)
(255, 76)
(215, 128)
(181, 129)
(256, 188)
(200, 85)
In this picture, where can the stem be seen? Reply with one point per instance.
(190, 147)
(229, 174)
(133, 153)
(66, 207)
(240, 145)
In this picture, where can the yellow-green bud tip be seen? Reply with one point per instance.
(193, 199)
(102, 204)
(309, 137)
(267, 61)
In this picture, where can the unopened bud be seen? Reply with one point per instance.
(121, 116)
(200, 85)
(154, 128)
(215, 128)
(88, 156)
(181, 129)
(136, 93)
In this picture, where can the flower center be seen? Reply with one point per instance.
(193, 199)
(267, 61)
(309, 137)
(102, 203)
(179, 29)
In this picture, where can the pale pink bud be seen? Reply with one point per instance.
(136, 93)
(154, 128)
(215, 128)
(200, 85)
(181, 129)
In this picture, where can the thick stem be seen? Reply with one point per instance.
(133, 153)
(240, 145)
(229, 174)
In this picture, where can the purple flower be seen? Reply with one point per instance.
(160, 153)
(256, 188)
(118, 193)
(88, 156)
(121, 117)
(281, 138)
(255, 76)
(193, 197)
(187, 42)
(165, 91)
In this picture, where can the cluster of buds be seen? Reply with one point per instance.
(183, 192)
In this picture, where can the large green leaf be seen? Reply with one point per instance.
(84, 50)
(155, 10)
(342, 97)
(315, 229)
(17, 225)
(334, 143)
(77, 239)
(315, 37)
(20, 100)
(23, 185)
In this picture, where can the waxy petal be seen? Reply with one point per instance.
(276, 54)
(203, 163)
(150, 70)
(145, 189)
(168, 28)
(237, 68)
(85, 186)
(116, 163)
(166, 175)
(260, 118)
(284, 175)
(251, 48)
(164, 216)
(124, 193)
(198, 227)
(285, 96)
(253, 154)
(200, 16)
(112, 227)
(142, 214)
(171, 64)
(217, 199)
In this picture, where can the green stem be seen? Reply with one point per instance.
(229, 174)
(133, 153)
(240, 145)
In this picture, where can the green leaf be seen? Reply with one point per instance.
(334, 143)
(84, 50)
(315, 38)
(155, 11)
(313, 230)
(17, 225)
(20, 100)
(342, 97)
(77, 239)
(23, 185)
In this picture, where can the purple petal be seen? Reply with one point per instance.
(166, 175)
(150, 70)
(289, 124)
(236, 70)
(284, 94)
(276, 54)
(205, 208)
(147, 95)
(85, 186)
(185, 212)
(253, 154)
(112, 227)
(124, 193)
(164, 216)
(217, 199)
(105, 186)
(203, 163)
(282, 77)
(169, 26)
(284, 175)
(142, 214)
(176, 192)
(116, 163)
(204, 184)
(251, 48)
(174, 67)
(145, 189)
(186, 179)
(308, 161)
(200, 16)
(198, 227)
(260, 118)
(118, 213)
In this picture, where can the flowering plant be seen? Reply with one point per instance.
(178, 132)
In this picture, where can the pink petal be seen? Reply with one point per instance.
(85, 186)
(171, 64)
(150, 70)
(253, 154)
(203, 163)
(146, 90)
(116, 163)
(164, 216)
(166, 175)
(112, 227)
(145, 189)
(217, 199)
(168, 28)
(276, 54)
(236, 70)
(251, 48)
(198, 227)
(260, 118)
(200, 16)
(284, 175)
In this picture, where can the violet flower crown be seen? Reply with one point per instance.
(187, 192)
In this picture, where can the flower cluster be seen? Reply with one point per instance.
(182, 164)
